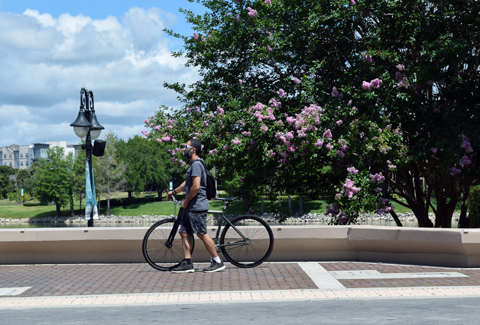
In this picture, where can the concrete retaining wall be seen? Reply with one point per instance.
(441, 247)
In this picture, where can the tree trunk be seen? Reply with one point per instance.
(290, 204)
(72, 206)
(108, 203)
(300, 205)
(16, 180)
(279, 198)
(129, 195)
(57, 210)
(395, 217)
(262, 209)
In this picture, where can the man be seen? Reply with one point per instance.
(196, 207)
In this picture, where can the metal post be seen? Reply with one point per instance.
(88, 154)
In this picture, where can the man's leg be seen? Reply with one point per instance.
(187, 245)
(186, 266)
(216, 264)
(209, 244)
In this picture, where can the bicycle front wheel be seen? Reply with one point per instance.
(154, 248)
(253, 248)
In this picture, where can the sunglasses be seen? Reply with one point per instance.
(187, 146)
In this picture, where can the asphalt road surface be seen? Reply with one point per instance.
(378, 311)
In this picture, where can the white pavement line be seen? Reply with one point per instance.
(374, 274)
(13, 291)
(236, 296)
(321, 277)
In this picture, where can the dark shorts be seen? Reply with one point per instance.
(194, 222)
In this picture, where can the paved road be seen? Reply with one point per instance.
(332, 311)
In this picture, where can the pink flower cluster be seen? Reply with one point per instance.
(352, 170)
(296, 81)
(333, 210)
(195, 35)
(335, 92)
(319, 143)
(465, 161)
(275, 103)
(236, 141)
(375, 83)
(281, 93)
(377, 178)
(367, 58)
(454, 171)
(466, 144)
(327, 134)
(220, 111)
(251, 12)
(145, 133)
(350, 190)
(268, 2)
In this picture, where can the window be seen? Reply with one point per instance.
(11, 164)
(21, 155)
(21, 163)
(5, 156)
(43, 153)
(26, 163)
(26, 155)
(10, 156)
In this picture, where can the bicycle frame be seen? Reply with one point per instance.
(219, 228)
(178, 219)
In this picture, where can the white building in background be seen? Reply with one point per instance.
(22, 157)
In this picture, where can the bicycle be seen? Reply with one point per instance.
(246, 241)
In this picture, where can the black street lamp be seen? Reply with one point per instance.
(86, 125)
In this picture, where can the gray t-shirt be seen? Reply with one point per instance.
(199, 202)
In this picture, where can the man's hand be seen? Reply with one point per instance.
(169, 196)
(185, 205)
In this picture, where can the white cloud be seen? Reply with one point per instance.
(46, 61)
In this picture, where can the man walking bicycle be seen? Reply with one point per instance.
(195, 210)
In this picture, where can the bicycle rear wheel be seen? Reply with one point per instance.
(251, 251)
(156, 253)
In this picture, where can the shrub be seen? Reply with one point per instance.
(12, 196)
(474, 207)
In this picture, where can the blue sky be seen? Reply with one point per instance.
(101, 9)
(49, 50)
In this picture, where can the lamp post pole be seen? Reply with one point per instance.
(86, 125)
(87, 146)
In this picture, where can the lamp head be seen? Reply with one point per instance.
(96, 127)
(81, 124)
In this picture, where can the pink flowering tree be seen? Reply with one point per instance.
(283, 98)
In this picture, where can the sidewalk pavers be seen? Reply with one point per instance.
(95, 284)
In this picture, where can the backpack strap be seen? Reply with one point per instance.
(204, 170)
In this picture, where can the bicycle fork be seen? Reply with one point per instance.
(176, 224)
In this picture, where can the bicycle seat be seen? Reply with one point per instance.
(227, 198)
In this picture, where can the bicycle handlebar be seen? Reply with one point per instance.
(176, 202)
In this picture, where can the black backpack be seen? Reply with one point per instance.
(211, 189)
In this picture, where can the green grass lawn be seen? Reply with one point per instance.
(158, 208)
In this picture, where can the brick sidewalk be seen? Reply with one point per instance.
(131, 279)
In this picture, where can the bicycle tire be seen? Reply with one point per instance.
(255, 250)
(154, 250)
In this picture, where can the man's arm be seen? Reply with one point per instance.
(193, 191)
(179, 189)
